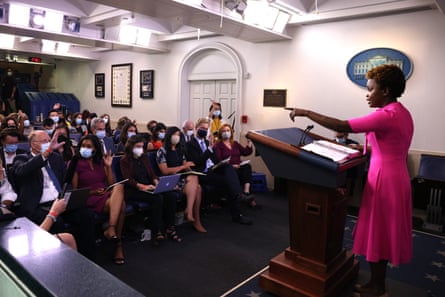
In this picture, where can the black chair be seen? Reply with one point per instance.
(429, 190)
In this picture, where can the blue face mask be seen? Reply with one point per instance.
(26, 123)
(49, 131)
(55, 119)
(11, 148)
(101, 134)
(217, 113)
(78, 121)
(202, 133)
(129, 134)
(161, 135)
(86, 152)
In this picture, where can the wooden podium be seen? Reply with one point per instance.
(315, 264)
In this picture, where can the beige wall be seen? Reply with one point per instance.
(312, 67)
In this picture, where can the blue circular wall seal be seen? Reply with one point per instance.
(364, 61)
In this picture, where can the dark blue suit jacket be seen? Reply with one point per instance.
(27, 179)
(109, 144)
(197, 156)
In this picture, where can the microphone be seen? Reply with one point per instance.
(304, 134)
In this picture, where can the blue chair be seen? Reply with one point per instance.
(429, 190)
(154, 163)
(24, 146)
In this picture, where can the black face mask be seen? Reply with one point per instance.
(202, 133)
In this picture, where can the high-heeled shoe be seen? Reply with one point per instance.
(171, 232)
(157, 239)
(111, 237)
(188, 217)
(199, 228)
(118, 258)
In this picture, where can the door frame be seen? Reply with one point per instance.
(184, 69)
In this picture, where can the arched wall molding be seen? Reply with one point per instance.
(184, 72)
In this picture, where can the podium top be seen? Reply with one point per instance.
(287, 140)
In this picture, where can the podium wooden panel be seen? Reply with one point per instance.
(315, 264)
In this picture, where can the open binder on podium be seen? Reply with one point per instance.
(336, 152)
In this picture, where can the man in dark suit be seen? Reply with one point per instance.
(187, 133)
(9, 138)
(200, 151)
(37, 178)
(98, 128)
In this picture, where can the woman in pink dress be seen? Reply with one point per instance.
(384, 225)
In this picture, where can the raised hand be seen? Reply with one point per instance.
(108, 159)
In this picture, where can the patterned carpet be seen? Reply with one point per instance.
(423, 276)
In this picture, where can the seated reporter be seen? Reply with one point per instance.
(227, 147)
(200, 152)
(91, 169)
(171, 160)
(8, 197)
(135, 166)
(9, 139)
(37, 178)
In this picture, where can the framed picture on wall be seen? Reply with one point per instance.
(121, 80)
(146, 90)
(99, 85)
(274, 98)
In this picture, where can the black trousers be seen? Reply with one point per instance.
(225, 177)
(245, 174)
(81, 223)
(162, 207)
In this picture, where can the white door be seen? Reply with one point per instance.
(222, 91)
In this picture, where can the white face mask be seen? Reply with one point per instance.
(226, 135)
(105, 120)
(44, 147)
(175, 139)
(190, 132)
(26, 123)
(138, 151)
(101, 134)
(86, 152)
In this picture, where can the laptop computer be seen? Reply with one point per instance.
(166, 183)
(76, 198)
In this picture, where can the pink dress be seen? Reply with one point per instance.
(384, 226)
(93, 179)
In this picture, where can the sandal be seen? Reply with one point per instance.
(111, 237)
(171, 232)
(156, 241)
(118, 254)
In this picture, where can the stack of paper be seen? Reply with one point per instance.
(336, 152)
